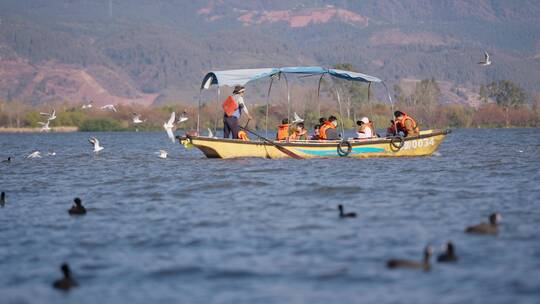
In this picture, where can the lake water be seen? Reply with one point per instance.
(193, 230)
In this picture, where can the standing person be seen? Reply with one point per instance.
(406, 124)
(233, 107)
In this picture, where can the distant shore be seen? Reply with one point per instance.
(38, 130)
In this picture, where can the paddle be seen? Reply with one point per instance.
(278, 146)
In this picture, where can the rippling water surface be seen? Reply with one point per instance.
(193, 230)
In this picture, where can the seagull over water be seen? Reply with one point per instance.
(35, 154)
(45, 126)
(52, 115)
(297, 119)
(487, 60)
(183, 117)
(169, 125)
(95, 142)
(137, 119)
(109, 107)
(162, 154)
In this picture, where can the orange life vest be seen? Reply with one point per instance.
(283, 132)
(242, 135)
(401, 124)
(229, 106)
(298, 135)
(322, 130)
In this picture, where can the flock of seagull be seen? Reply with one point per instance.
(169, 126)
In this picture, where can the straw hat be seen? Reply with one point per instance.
(239, 89)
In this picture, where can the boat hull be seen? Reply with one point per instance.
(423, 145)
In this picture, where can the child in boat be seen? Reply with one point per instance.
(300, 133)
(243, 135)
(391, 130)
(365, 128)
(283, 130)
(316, 133)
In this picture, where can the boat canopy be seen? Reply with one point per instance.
(243, 76)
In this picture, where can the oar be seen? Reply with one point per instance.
(278, 146)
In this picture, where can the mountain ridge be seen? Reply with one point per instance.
(147, 52)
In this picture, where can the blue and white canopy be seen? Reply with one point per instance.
(244, 76)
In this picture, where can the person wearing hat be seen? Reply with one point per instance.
(365, 128)
(233, 108)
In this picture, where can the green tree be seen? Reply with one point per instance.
(507, 94)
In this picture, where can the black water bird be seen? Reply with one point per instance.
(67, 282)
(7, 161)
(491, 228)
(77, 208)
(449, 255)
(343, 214)
(424, 264)
(2, 199)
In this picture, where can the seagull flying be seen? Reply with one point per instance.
(45, 126)
(169, 125)
(487, 60)
(88, 105)
(297, 118)
(35, 154)
(137, 118)
(162, 154)
(94, 141)
(52, 115)
(109, 107)
(183, 117)
(210, 134)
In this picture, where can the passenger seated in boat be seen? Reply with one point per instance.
(283, 130)
(316, 132)
(406, 124)
(300, 133)
(365, 129)
(391, 130)
(328, 130)
(243, 135)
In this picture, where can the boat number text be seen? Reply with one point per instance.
(418, 143)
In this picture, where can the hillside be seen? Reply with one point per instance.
(146, 52)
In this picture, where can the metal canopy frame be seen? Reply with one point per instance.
(212, 78)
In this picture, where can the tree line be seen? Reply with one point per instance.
(504, 104)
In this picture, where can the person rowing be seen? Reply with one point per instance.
(233, 107)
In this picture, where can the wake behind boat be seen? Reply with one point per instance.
(425, 143)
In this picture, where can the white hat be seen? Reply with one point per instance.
(364, 120)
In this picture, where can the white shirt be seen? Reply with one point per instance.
(241, 104)
(367, 133)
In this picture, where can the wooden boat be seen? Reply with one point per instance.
(426, 143)
(423, 145)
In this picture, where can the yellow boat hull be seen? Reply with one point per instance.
(423, 145)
